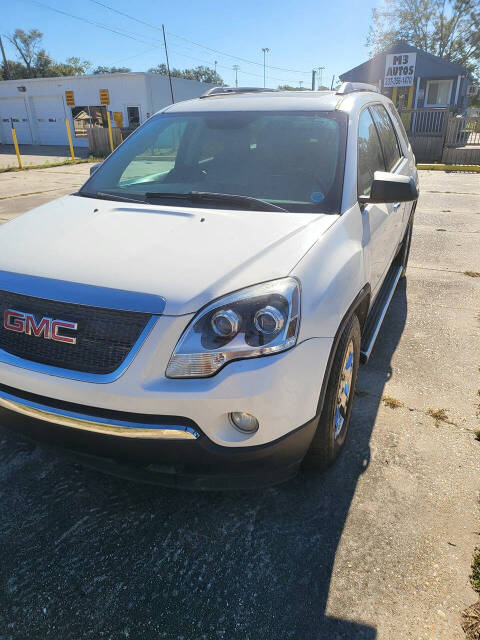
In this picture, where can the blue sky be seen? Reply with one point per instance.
(300, 35)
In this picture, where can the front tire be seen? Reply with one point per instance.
(334, 420)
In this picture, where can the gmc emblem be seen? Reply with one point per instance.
(47, 328)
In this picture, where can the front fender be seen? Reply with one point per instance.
(332, 274)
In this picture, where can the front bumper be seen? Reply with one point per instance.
(281, 390)
(166, 450)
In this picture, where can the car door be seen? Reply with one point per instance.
(394, 163)
(377, 219)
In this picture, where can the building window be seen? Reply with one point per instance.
(86, 117)
(133, 115)
(438, 93)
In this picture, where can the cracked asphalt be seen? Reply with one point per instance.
(379, 546)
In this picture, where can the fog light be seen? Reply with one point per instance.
(244, 421)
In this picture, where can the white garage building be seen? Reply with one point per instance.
(38, 107)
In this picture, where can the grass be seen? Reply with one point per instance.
(475, 575)
(391, 402)
(439, 415)
(472, 274)
(47, 165)
(471, 622)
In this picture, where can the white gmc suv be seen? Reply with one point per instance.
(196, 313)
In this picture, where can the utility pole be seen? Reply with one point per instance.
(313, 79)
(215, 62)
(333, 81)
(168, 64)
(5, 63)
(236, 68)
(265, 51)
(300, 82)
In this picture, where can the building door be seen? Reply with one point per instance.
(50, 120)
(14, 110)
(402, 97)
(133, 117)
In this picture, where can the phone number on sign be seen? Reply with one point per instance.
(398, 81)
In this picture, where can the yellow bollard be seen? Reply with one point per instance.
(69, 135)
(110, 136)
(409, 107)
(17, 150)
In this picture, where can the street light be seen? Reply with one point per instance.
(236, 68)
(265, 51)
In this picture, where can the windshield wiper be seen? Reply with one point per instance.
(104, 195)
(208, 196)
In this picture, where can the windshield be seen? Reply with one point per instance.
(294, 160)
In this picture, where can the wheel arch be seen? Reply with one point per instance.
(359, 306)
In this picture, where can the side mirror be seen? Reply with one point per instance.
(390, 187)
(94, 167)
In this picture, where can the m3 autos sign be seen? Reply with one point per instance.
(399, 69)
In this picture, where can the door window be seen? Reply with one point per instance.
(370, 156)
(387, 135)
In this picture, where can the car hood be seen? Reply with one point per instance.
(188, 256)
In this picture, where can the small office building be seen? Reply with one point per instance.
(38, 107)
(414, 79)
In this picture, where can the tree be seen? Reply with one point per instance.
(78, 66)
(102, 69)
(17, 70)
(447, 28)
(289, 87)
(200, 73)
(36, 63)
(27, 43)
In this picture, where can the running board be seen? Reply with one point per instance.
(378, 312)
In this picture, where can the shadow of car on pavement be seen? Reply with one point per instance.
(84, 552)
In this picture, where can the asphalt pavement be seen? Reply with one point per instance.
(379, 546)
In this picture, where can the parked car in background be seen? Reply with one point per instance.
(197, 312)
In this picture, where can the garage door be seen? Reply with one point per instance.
(50, 119)
(14, 110)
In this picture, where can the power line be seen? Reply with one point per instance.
(175, 35)
(223, 66)
(131, 36)
(126, 15)
(229, 55)
(92, 22)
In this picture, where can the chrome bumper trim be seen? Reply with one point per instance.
(78, 293)
(95, 424)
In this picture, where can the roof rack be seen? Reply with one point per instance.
(214, 91)
(350, 87)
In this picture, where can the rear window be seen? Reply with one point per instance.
(294, 160)
(400, 126)
(387, 135)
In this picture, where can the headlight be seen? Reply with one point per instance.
(252, 322)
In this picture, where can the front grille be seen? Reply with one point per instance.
(104, 337)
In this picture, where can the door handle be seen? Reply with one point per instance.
(396, 206)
